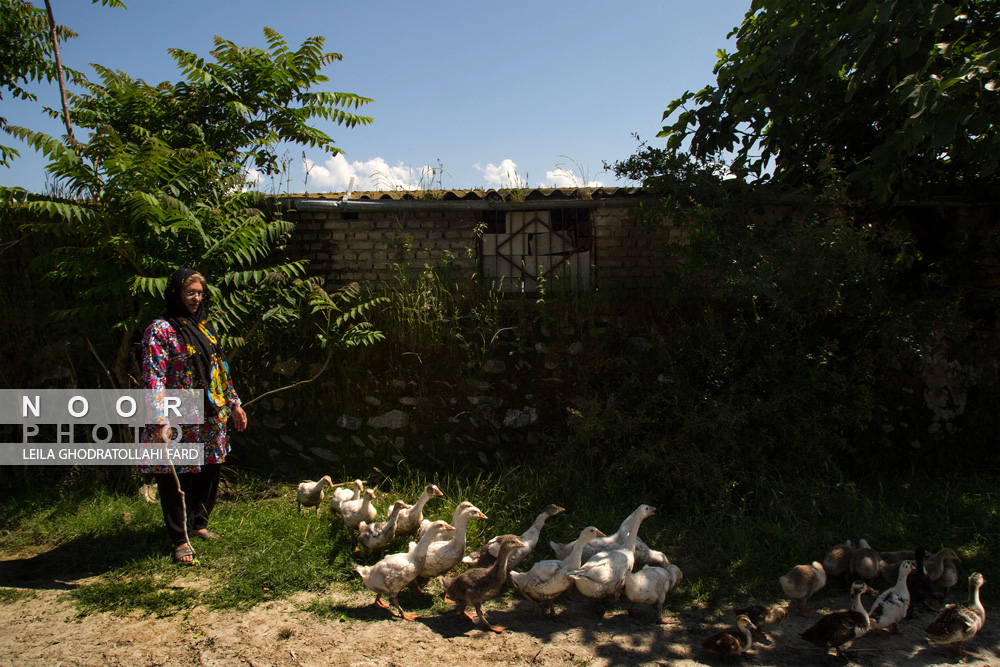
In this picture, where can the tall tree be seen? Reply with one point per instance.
(901, 98)
(163, 173)
(26, 54)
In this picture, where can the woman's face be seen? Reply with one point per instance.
(192, 295)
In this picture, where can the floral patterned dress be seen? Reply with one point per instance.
(167, 365)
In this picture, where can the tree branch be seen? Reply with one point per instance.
(59, 71)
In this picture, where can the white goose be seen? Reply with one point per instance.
(342, 495)
(353, 512)
(651, 584)
(409, 520)
(891, 607)
(604, 574)
(644, 555)
(442, 556)
(488, 554)
(391, 574)
(548, 579)
(310, 493)
(377, 536)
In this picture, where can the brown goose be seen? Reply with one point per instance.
(839, 629)
(479, 584)
(731, 642)
(956, 624)
(801, 582)
(837, 562)
(761, 615)
(865, 564)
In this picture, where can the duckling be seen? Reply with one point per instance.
(941, 571)
(801, 582)
(644, 555)
(761, 615)
(865, 564)
(650, 585)
(353, 512)
(956, 624)
(391, 574)
(548, 579)
(409, 520)
(442, 556)
(342, 495)
(476, 585)
(310, 493)
(948, 578)
(731, 642)
(604, 574)
(839, 629)
(377, 536)
(837, 562)
(485, 556)
(891, 607)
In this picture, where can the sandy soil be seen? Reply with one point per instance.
(44, 628)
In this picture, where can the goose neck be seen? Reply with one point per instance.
(575, 557)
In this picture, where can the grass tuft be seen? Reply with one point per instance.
(123, 596)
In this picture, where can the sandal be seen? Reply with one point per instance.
(206, 534)
(182, 552)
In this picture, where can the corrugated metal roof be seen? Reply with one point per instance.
(510, 195)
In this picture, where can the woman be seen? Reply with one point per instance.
(180, 351)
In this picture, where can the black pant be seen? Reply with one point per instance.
(200, 491)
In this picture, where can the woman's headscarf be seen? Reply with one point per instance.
(198, 337)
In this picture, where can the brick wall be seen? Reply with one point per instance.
(343, 248)
(626, 253)
(363, 246)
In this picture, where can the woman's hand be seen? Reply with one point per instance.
(163, 433)
(239, 418)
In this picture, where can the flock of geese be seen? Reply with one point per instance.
(917, 578)
(603, 566)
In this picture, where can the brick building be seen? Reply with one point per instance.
(568, 238)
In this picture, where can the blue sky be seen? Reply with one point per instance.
(516, 93)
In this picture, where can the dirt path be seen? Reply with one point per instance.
(44, 629)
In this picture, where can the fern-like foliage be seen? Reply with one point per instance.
(160, 184)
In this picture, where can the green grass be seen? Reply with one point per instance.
(12, 595)
(123, 595)
(271, 552)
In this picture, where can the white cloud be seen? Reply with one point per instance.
(335, 175)
(560, 177)
(503, 175)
